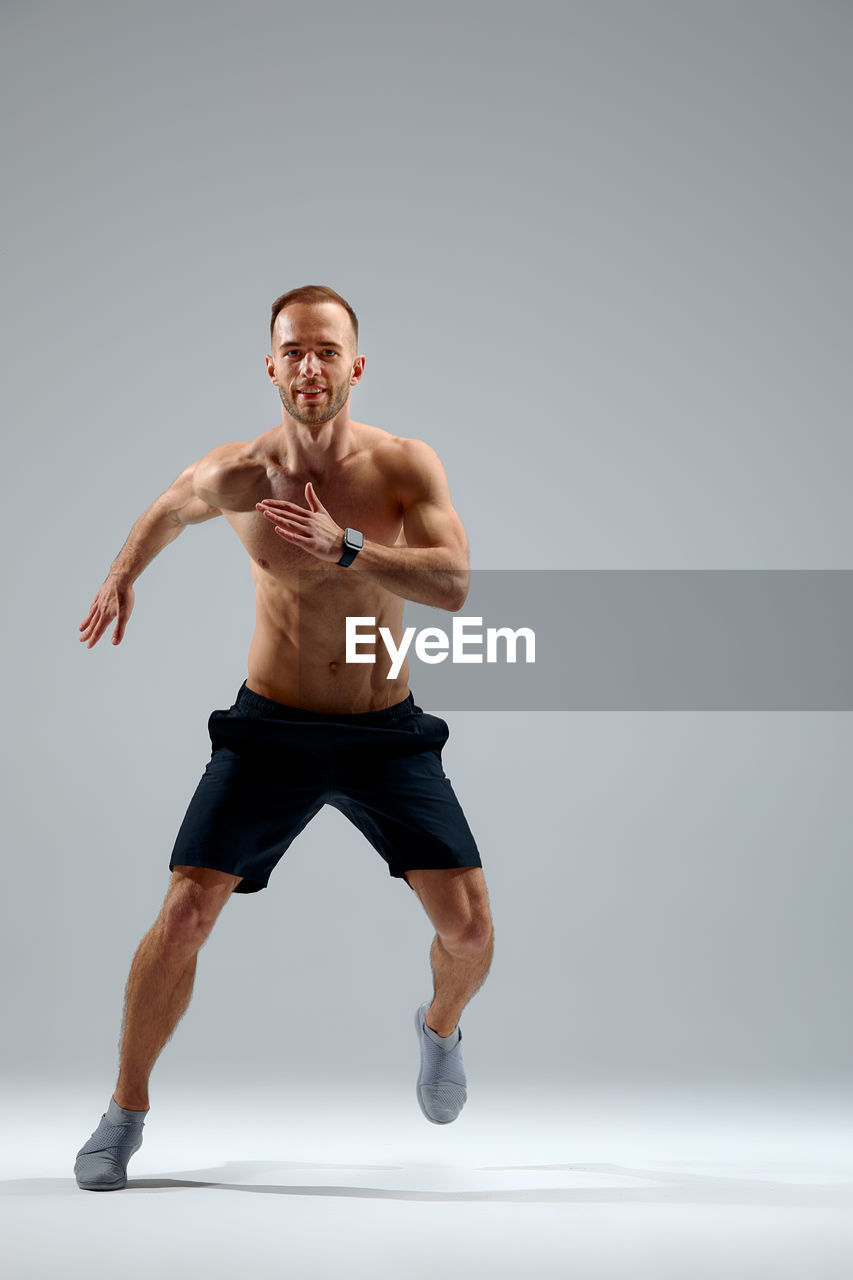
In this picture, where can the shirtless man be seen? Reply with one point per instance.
(339, 519)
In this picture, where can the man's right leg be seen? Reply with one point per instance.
(158, 992)
(161, 976)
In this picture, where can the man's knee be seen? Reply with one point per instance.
(457, 903)
(195, 898)
(471, 937)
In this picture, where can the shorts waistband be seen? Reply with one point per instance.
(249, 701)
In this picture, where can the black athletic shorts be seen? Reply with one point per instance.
(273, 767)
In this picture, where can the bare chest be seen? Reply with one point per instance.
(358, 497)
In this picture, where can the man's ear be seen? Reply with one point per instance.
(357, 370)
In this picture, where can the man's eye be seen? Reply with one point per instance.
(329, 352)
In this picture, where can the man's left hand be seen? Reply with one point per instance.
(313, 530)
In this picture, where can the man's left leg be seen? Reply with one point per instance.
(457, 903)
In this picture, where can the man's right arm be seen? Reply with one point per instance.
(169, 515)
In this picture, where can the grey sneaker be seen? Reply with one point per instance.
(101, 1164)
(442, 1082)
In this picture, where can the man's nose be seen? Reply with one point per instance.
(310, 364)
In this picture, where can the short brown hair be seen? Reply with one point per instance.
(312, 293)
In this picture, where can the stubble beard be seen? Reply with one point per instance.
(311, 415)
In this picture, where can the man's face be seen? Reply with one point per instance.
(314, 361)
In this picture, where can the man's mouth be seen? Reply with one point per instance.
(311, 393)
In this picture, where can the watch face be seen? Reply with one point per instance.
(353, 539)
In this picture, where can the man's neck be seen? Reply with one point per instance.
(314, 449)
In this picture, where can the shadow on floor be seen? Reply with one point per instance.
(663, 1186)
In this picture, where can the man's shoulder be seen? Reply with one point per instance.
(229, 469)
(400, 455)
(413, 468)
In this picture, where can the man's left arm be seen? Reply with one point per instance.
(432, 568)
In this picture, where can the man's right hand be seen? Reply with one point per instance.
(114, 600)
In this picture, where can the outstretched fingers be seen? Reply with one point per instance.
(292, 535)
(93, 626)
(100, 626)
(297, 522)
(279, 506)
(89, 616)
(110, 603)
(92, 633)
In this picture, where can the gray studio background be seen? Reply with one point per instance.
(600, 254)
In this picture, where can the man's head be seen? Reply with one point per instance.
(313, 293)
(314, 360)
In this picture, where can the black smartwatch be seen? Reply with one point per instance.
(353, 543)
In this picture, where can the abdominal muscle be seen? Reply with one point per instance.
(298, 651)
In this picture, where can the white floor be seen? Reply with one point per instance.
(331, 1185)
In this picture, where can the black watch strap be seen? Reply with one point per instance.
(353, 543)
